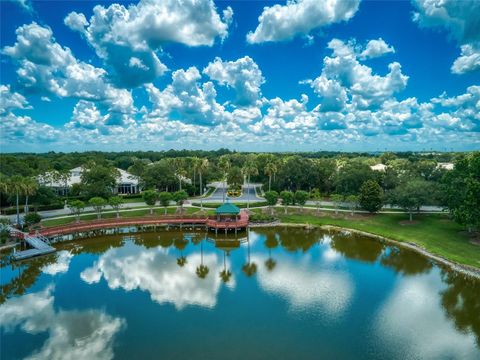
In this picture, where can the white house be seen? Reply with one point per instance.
(445, 166)
(126, 183)
(378, 167)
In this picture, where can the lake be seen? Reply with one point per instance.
(273, 293)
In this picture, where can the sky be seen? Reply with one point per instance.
(302, 75)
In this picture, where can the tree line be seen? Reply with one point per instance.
(409, 180)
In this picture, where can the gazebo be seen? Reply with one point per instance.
(227, 212)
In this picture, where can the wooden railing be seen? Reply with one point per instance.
(121, 222)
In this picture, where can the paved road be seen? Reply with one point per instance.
(216, 196)
(248, 194)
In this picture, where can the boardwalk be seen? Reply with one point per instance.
(209, 222)
(38, 243)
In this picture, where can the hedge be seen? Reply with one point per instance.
(13, 209)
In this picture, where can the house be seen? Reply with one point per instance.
(445, 166)
(378, 167)
(126, 183)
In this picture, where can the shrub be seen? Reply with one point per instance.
(32, 218)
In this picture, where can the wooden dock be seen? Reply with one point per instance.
(39, 245)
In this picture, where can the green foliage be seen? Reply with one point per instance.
(116, 203)
(287, 197)
(4, 231)
(352, 175)
(371, 196)
(180, 197)
(98, 180)
(98, 204)
(150, 197)
(271, 197)
(463, 191)
(301, 197)
(411, 195)
(165, 198)
(32, 218)
(235, 176)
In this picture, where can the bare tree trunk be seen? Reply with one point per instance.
(201, 187)
(26, 205)
(270, 182)
(411, 216)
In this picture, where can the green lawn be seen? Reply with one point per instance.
(89, 216)
(436, 233)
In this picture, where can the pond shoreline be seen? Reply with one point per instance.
(461, 268)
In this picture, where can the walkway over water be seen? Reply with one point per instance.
(208, 222)
(39, 243)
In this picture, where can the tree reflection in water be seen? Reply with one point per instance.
(461, 301)
(271, 242)
(202, 270)
(250, 268)
(459, 298)
(355, 246)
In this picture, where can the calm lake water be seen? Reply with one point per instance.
(276, 294)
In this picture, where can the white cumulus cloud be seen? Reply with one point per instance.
(300, 17)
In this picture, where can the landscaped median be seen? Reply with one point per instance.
(434, 233)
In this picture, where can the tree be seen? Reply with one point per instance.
(76, 207)
(224, 165)
(116, 203)
(352, 201)
(270, 170)
(337, 200)
(352, 175)
(30, 187)
(202, 169)
(98, 203)
(15, 185)
(165, 198)
(317, 198)
(287, 199)
(301, 198)
(462, 187)
(249, 169)
(99, 180)
(235, 177)
(371, 196)
(411, 195)
(180, 197)
(150, 197)
(272, 198)
(32, 218)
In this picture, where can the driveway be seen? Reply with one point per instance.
(249, 193)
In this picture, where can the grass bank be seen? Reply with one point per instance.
(435, 233)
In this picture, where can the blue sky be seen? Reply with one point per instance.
(246, 75)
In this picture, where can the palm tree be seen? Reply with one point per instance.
(224, 164)
(202, 168)
(270, 170)
(30, 187)
(16, 186)
(195, 161)
(250, 168)
(178, 166)
(202, 270)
